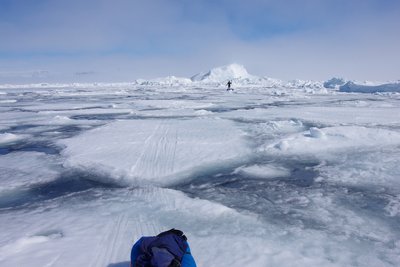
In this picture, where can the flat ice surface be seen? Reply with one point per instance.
(267, 175)
(159, 152)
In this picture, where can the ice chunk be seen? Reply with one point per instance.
(263, 171)
(156, 151)
(7, 138)
(316, 133)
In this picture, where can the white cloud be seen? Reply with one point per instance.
(125, 40)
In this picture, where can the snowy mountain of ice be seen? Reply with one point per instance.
(236, 73)
(222, 74)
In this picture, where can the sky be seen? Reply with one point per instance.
(122, 40)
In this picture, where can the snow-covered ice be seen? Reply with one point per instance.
(275, 173)
(319, 141)
(156, 151)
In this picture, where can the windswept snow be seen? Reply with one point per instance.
(320, 141)
(236, 73)
(155, 151)
(275, 173)
(36, 168)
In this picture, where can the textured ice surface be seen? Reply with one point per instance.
(35, 168)
(319, 141)
(156, 151)
(275, 174)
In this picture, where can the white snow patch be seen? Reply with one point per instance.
(7, 101)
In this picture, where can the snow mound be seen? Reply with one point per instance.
(366, 88)
(331, 139)
(158, 152)
(224, 73)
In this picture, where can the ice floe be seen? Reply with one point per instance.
(156, 151)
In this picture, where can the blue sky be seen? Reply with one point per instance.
(122, 40)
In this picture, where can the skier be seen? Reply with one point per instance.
(229, 86)
(167, 249)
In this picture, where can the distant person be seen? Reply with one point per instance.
(229, 86)
(167, 249)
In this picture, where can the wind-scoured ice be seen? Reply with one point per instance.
(156, 151)
(272, 174)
